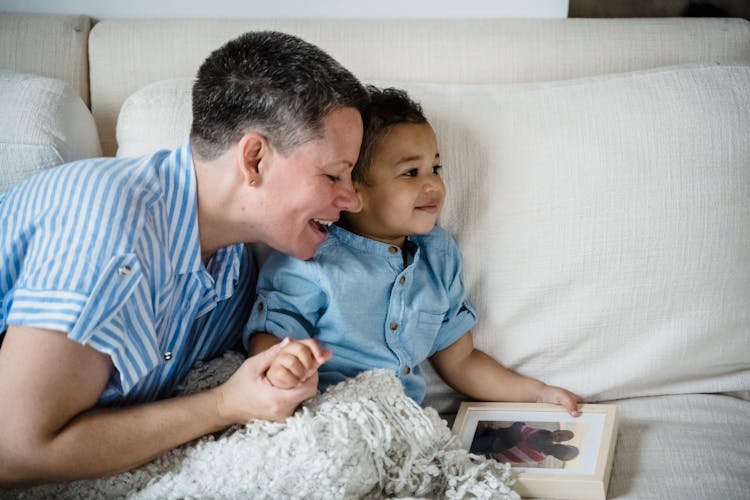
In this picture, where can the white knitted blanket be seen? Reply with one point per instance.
(363, 438)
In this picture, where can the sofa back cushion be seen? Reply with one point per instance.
(43, 123)
(124, 57)
(604, 222)
(605, 225)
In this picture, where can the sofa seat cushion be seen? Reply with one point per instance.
(682, 447)
(43, 123)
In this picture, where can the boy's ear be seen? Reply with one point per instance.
(252, 148)
(361, 196)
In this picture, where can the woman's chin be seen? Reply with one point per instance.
(306, 250)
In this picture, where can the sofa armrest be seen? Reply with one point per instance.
(51, 45)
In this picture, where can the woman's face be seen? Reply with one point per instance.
(307, 189)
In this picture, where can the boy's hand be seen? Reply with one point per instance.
(296, 363)
(560, 396)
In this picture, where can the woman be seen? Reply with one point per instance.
(116, 275)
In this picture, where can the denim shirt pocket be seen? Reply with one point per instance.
(427, 328)
(430, 320)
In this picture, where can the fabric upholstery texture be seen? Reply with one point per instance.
(157, 116)
(682, 447)
(43, 123)
(603, 224)
(123, 59)
(51, 45)
(601, 220)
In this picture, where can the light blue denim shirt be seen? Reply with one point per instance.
(356, 298)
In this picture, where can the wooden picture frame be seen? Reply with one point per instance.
(551, 453)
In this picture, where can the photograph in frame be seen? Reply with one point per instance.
(551, 453)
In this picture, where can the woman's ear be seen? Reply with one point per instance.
(252, 148)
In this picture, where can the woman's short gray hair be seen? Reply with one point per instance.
(275, 83)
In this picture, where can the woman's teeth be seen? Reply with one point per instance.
(322, 224)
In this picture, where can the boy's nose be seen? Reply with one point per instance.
(433, 185)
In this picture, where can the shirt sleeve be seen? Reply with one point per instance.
(95, 318)
(289, 299)
(74, 261)
(460, 317)
(72, 239)
(71, 294)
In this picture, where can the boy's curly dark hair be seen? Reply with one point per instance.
(386, 108)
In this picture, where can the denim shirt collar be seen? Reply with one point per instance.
(391, 253)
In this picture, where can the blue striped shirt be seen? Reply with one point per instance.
(107, 251)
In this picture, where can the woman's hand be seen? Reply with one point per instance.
(249, 394)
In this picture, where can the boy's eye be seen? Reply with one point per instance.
(436, 169)
(413, 172)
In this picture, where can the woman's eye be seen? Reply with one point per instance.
(333, 178)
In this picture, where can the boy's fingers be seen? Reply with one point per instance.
(572, 405)
(281, 378)
(263, 360)
(280, 381)
(320, 354)
(310, 353)
(305, 355)
(293, 364)
(326, 355)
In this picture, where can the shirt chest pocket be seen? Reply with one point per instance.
(428, 324)
(430, 318)
(426, 331)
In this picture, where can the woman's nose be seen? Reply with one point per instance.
(347, 198)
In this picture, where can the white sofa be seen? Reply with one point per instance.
(598, 177)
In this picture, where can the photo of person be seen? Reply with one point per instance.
(535, 444)
(547, 450)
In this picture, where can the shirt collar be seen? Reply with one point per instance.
(180, 188)
(182, 209)
(224, 272)
(370, 246)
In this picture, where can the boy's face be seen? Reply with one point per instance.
(404, 192)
